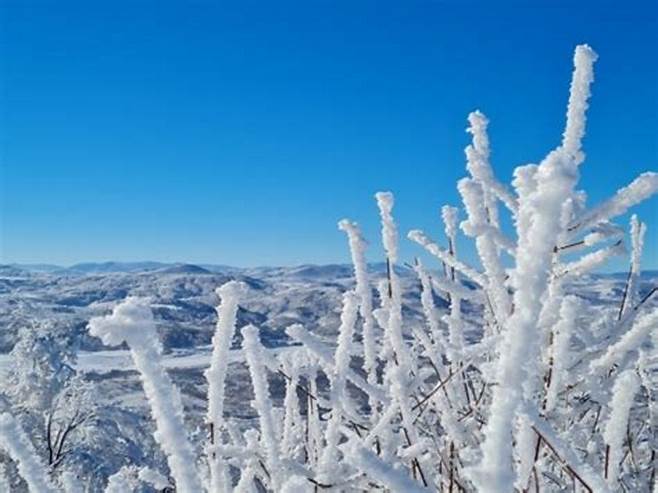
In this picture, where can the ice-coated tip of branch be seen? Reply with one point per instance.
(232, 289)
(636, 226)
(478, 120)
(350, 300)
(418, 236)
(584, 54)
(450, 215)
(583, 76)
(250, 334)
(346, 225)
(385, 201)
(478, 129)
(640, 189)
(351, 228)
(125, 324)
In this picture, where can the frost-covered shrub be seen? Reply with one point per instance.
(552, 395)
(48, 409)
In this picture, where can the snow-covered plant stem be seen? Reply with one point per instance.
(626, 386)
(357, 249)
(372, 465)
(393, 335)
(437, 344)
(132, 322)
(16, 443)
(338, 380)
(538, 227)
(561, 347)
(263, 404)
(638, 230)
(229, 294)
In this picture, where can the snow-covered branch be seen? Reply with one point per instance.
(132, 322)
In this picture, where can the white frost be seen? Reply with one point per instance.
(132, 322)
(626, 386)
(16, 443)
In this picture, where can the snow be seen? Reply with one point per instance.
(132, 322)
(627, 384)
(640, 189)
(230, 294)
(368, 462)
(16, 443)
(263, 405)
(357, 249)
(630, 341)
(561, 359)
(539, 224)
(517, 373)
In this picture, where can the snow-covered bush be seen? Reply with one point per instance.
(541, 393)
(46, 406)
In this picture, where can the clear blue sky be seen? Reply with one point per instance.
(241, 132)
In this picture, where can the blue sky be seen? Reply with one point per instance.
(241, 132)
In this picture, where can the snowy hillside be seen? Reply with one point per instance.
(184, 306)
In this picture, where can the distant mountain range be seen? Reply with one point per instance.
(129, 267)
(309, 271)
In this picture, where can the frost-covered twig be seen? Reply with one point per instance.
(478, 227)
(132, 322)
(357, 248)
(626, 386)
(319, 349)
(564, 453)
(380, 471)
(15, 442)
(423, 240)
(480, 169)
(427, 302)
(561, 348)
(263, 405)
(640, 189)
(393, 327)
(229, 294)
(638, 230)
(629, 342)
(538, 226)
(592, 261)
(338, 379)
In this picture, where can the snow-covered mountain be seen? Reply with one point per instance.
(183, 297)
(184, 300)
